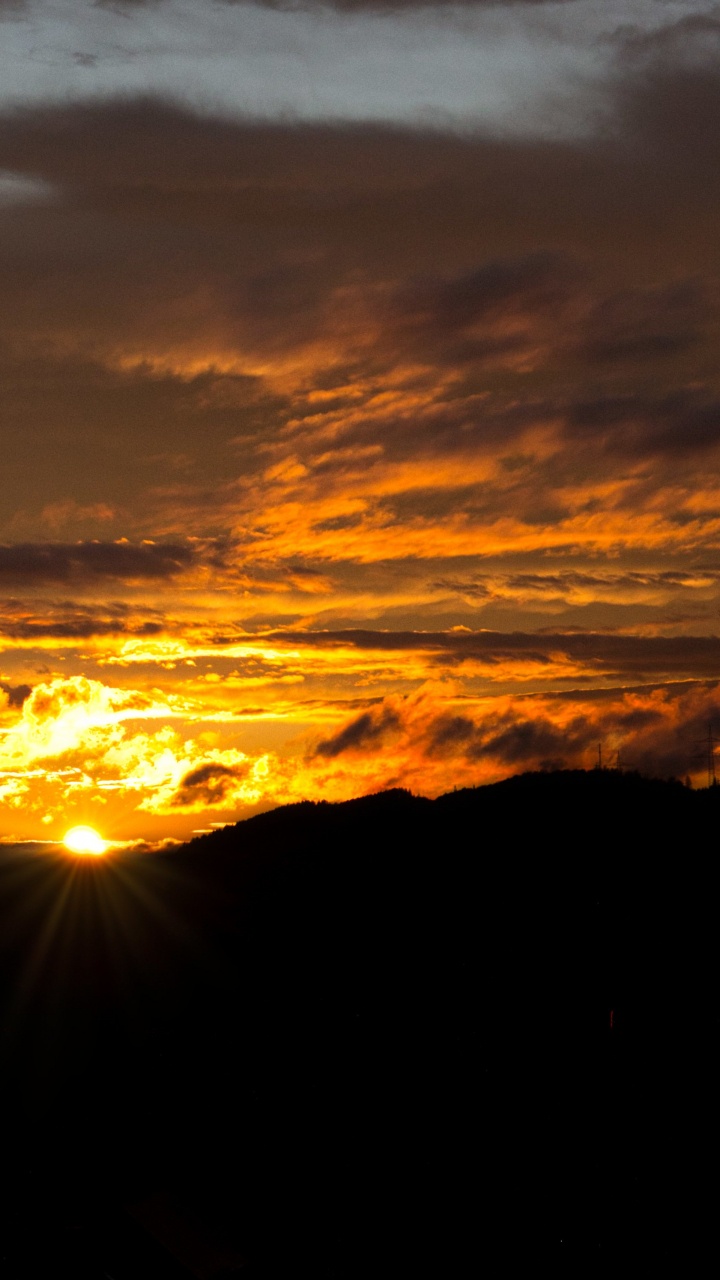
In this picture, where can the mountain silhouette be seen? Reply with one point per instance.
(392, 1036)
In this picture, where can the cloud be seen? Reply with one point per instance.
(210, 786)
(79, 628)
(489, 313)
(376, 7)
(77, 741)
(62, 562)
(367, 730)
(687, 40)
(590, 653)
(379, 6)
(71, 707)
(514, 742)
(345, 388)
(361, 391)
(22, 190)
(16, 694)
(686, 421)
(40, 619)
(660, 731)
(75, 737)
(585, 586)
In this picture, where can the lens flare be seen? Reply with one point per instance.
(85, 840)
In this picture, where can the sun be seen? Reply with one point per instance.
(85, 840)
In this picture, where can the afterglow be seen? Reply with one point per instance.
(375, 440)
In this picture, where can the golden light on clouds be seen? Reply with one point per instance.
(390, 457)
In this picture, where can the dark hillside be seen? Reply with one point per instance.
(376, 1038)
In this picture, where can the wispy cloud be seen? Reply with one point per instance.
(340, 454)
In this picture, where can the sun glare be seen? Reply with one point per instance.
(84, 840)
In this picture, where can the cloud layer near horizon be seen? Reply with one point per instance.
(363, 453)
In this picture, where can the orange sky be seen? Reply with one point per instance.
(341, 454)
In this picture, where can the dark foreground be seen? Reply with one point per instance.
(393, 1037)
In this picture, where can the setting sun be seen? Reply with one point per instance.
(85, 840)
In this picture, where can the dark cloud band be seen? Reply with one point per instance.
(61, 562)
(619, 655)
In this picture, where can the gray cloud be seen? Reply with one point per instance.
(686, 39)
(16, 694)
(515, 741)
(38, 619)
(509, 286)
(660, 735)
(684, 421)
(207, 784)
(616, 655)
(390, 7)
(61, 562)
(342, 6)
(564, 581)
(75, 629)
(379, 6)
(366, 730)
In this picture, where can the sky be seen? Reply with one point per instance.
(359, 401)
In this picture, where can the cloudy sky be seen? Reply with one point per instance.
(359, 400)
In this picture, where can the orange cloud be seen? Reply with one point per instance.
(377, 431)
